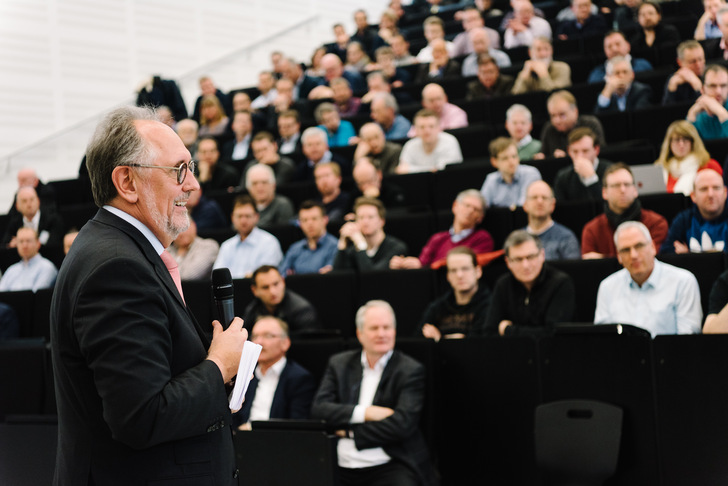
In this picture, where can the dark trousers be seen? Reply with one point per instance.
(392, 473)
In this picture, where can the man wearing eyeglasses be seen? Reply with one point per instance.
(140, 387)
(620, 205)
(280, 388)
(533, 297)
(647, 293)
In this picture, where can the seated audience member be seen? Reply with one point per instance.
(615, 44)
(194, 255)
(45, 192)
(440, 67)
(506, 187)
(333, 69)
(265, 151)
(648, 293)
(366, 35)
(266, 87)
(468, 211)
(394, 76)
(369, 182)
(449, 116)
(314, 69)
(327, 176)
(717, 48)
(541, 72)
(559, 242)
(431, 149)
(481, 45)
(704, 226)
(273, 209)
(214, 175)
(206, 212)
(238, 150)
(388, 26)
(490, 83)
(357, 60)
(9, 323)
(620, 205)
(434, 29)
(402, 54)
(564, 117)
(584, 24)
(687, 82)
(374, 396)
(532, 297)
(524, 27)
(374, 145)
(343, 96)
(302, 83)
(68, 240)
(339, 131)
(281, 103)
(654, 33)
(316, 150)
(621, 92)
(251, 247)
(315, 253)
(472, 21)
(272, 298)
(280, 387)
(681, 157)
(709, 114)
(207, 88)
(384, 110)
(582, 179)
(716, 322)
(707, 27)
(213, 120)
(376, 83)
(363, 245)
(188, 131)
(241, 102)
(338, 47)
(289, 130)
(519, 125)
(462, 310)
(33, 271)
(47, 224)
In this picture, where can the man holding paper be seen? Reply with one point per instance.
(140, 387)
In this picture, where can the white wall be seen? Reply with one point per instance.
(65, 62)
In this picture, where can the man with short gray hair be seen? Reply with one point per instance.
(373, 397)
(519, 124)
(647, 293)
(315, 143)
(260, 182)
(384, 110)
(621, 92)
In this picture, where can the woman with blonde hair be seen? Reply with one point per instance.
(682, 155)
(213, 120)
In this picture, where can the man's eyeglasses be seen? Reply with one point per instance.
(530, 258)
(181, 169)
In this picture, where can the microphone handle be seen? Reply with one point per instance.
(225, 311)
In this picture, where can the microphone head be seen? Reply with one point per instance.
(222, 284)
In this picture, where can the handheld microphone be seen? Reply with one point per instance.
(222, 289)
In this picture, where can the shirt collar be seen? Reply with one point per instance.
(458, 237)
(524, 141)
(143, 229)
(652, 281)
(274, 371)
(380, 364)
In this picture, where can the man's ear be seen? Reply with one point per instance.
(125, 183)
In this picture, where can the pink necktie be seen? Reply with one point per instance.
(173, 269)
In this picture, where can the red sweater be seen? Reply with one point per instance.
(598, 236)
(440, 243)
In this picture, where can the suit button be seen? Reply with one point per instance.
(235, 474)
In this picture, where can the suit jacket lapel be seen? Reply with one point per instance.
(386, 376)
(354, 372)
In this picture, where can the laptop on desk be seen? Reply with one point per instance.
(648, 179)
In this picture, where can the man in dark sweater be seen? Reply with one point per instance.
(461, 311)
(533, 297)
(564, 117)
(581, 180)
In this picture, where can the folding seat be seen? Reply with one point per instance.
(333, 297)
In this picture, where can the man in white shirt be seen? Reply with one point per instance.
(431, 149)
(374, 398)
(524, 27)
(32, 272)
(268, 93)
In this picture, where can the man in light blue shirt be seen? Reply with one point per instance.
(252, 246)
(507, 187)
(385, 111)
(315, 253)
(647, 293)
(32, 272)
(339, 131)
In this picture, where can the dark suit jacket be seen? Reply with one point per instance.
(307, 84)
(638, 97)
(50, 222)
(401, 388)
(304, 170)
(225, 100)
(292, 399)
(568, 185)
(138, 403)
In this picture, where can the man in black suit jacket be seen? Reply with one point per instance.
(621, 92)
(44, 220)
(374, 398)
(281, 388)
(315, 144)
(140, 387)
(302, 84)
(582, 180)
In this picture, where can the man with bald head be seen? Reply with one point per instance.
(559, 242)
(450, 116)
(374, 145)
(368, 178)
(704, 226)
(46, 222)
(28, 177)
(32, 272)
(302, 84)
(481, 45)
(334, 68)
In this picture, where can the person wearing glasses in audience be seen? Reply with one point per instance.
(647, 293)
(280, 388)
(620, 205)
(137, 378)
(709, 114)
(532, 297)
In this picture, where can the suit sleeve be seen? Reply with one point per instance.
(301, 396)
(328, 402)
(149, 394)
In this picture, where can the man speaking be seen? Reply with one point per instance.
(140, 388)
